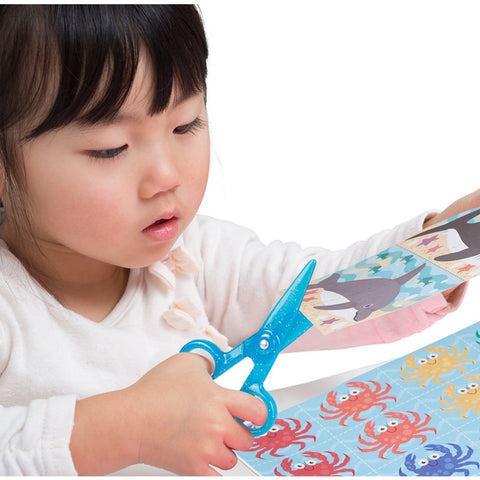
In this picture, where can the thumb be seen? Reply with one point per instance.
(247, 407)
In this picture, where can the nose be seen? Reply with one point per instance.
(159, 172)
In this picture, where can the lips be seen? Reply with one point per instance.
(159, 222)
(163, 229)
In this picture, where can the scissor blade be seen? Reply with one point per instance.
(300, 325)
(285, 318)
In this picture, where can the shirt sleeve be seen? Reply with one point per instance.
(241, 277)
(35, 439)
(387, 328)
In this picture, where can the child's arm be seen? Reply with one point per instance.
(175, 417)
(241, 277)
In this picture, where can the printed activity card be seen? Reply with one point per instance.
(436, 259)
(415, 416)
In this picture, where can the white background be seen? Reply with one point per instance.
(332, 120)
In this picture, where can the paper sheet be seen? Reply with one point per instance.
(417, 415)
(438, 258)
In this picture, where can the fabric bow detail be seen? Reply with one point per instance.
(178, 260)
(182, 314)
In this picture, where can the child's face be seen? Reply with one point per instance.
(98, 191)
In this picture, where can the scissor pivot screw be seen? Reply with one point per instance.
(264, 344)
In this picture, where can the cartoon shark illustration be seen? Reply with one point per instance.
(366, 295)
(468, 232)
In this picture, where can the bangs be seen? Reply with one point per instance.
(86, 58)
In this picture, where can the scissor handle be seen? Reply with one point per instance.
(259, 391)
(218, 356)
(253, 384)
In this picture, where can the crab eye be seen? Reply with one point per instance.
(462, 390)
(422, 361)
(274, 429)
(299, 466)
(473, 385)
(434, 456)
(433, 356)
(382, 428)
(392, 423)
(343, 398)
(422, 462)
(354, 391)
(311, 462)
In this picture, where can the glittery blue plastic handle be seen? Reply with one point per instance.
(254, 386)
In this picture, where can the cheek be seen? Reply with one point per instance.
(200, 179)
(197, 172)
(100, 226)
(97, 212)
(101, 209)
(80, 209)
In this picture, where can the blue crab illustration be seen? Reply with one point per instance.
(443, 461)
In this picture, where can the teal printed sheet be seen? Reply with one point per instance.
(432, 261)
(415, 416)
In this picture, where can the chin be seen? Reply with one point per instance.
(148, 258)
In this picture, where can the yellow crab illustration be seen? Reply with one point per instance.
(464, 398)
(439, 362)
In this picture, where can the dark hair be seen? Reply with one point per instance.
(66, 63)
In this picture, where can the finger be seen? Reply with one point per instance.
(198, 467)
(205, 471)
(226, 459)
(455, 295)
(247, 407)
(215, 449)
(239, 437)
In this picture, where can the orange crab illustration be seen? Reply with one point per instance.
(439, 362)
(361, 398)
(278, 437)
(465, 398)
(398, 431)
(316, 464)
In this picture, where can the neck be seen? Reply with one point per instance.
(84, 285)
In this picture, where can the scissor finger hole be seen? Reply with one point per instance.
(234, 377)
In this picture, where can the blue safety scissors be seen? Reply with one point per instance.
(284, 324)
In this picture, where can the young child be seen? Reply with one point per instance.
(107, 271)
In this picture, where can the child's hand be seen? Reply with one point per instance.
(186, 420)
(468, 202)
(175, 417)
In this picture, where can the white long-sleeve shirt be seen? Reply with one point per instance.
(218, 278)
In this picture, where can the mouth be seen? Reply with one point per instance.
(163, 229)
(160, 222)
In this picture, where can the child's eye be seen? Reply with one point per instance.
(191, 127)
(108, 153)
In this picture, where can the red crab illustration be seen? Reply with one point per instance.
(278, 437)
(361, 398)
(317, 464)
(395, 433)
